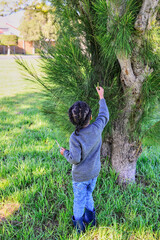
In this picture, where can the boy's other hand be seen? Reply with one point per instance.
(100, 92)
(62, 150)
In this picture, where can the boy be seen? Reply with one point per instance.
(84, 155)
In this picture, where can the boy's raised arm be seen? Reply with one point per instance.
(103, 116)
(100, 92)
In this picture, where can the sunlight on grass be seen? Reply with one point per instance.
(39, 172)
(11, 81)
(3, 183)
(114, 233)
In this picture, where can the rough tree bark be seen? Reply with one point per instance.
(124, 151)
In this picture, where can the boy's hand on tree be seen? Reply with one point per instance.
(100, 92)
(62, 150)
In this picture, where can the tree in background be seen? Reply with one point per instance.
(36, 24)
(116, 44)
(9, 7)
(8, 40)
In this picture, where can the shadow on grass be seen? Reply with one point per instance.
(23, 112)
(32, 171)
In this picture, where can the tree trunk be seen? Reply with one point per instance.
(124, 157)
(9, 50)
(124, 150)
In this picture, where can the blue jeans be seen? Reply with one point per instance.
(83, 197)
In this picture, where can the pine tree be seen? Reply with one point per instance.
(114, 43)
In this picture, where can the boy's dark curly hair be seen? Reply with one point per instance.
(79, 114)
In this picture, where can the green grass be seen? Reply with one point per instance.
(37, 178)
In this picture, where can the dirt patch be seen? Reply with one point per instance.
(7, 210)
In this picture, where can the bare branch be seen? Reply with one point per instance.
(126, 71)
(146, 15)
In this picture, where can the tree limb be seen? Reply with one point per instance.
(146, 15)
(128, 78)
(127, 74)
(133, 73)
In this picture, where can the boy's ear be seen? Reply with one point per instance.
(91, 117)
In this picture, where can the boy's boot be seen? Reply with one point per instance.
(78, 224)
(89, 217)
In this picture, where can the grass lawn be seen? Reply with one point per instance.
(35, 180)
